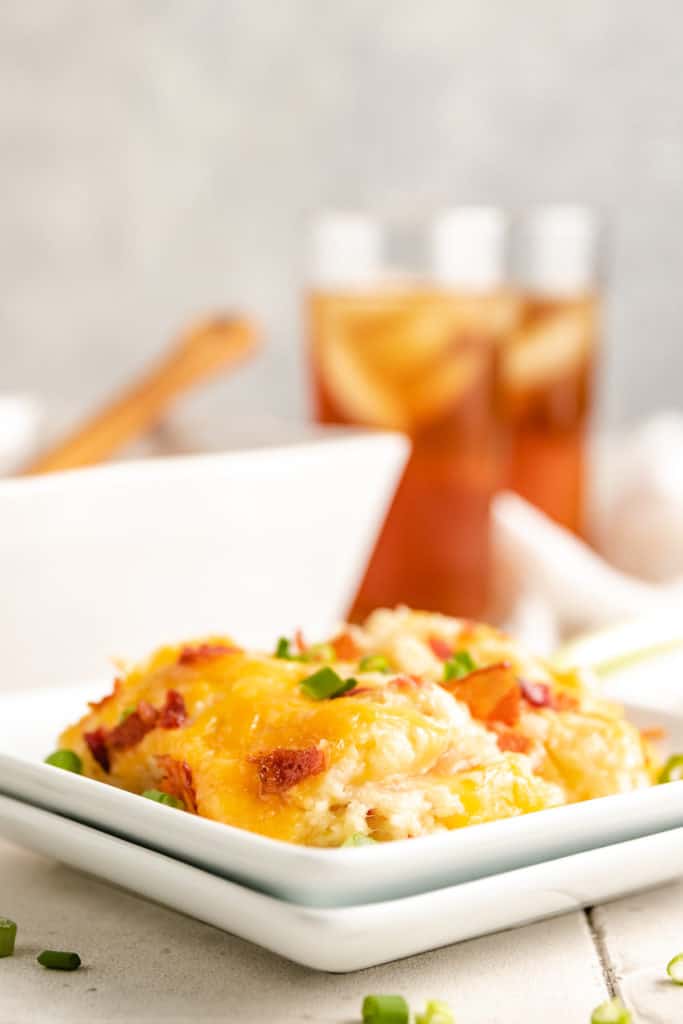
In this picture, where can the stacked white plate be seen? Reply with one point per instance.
(117, 561)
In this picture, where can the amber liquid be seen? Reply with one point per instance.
(424, 362)
(547, 391)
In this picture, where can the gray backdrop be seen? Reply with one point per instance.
(161, 158)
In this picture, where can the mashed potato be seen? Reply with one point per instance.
(441, 723)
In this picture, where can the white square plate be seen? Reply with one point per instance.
(306, 875)
(352, 938)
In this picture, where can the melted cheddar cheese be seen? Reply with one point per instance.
(404, 753)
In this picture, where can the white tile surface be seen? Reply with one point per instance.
(145, 964)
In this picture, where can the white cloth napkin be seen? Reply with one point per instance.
(554, 585)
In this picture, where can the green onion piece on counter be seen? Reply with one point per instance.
(325, 683)
(318, 652)
(374, 663)
(8, 935)
(164, 798)
(674, 969)
(66, 759)
(359, 839)
(282, 649)
(611, 1012)
(458, 666)
(436, 1012)
(385, 1010)
(672, 770)
(55, 960)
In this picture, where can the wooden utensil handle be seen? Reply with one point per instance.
(213, 345)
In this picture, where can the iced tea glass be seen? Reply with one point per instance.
(548, 361)
(420, 356)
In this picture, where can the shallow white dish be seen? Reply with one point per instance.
(117, 560)
(352, 938)
(304, 875)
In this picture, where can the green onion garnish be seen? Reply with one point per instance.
(674, 969)
(359, 839)
(374, 663)
(458, 665)
(385, 1010)
(436, 1012)
(8, 934)
(66, 759)
(56, 960)
(164, 798)
(318, 652)
(672, 770)
(611, 1012)
(325, 683)
(282, 649)
(126, 713)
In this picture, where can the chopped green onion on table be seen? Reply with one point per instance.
(56, 960)
(8, 935)
(611, 1012)
(385, 1010)
(436, 1012)
(674, 969)
(66, 759)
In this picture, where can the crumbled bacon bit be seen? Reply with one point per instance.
(135, 727)
(538, 694)
(97, 744)
(132, 729)
(300, 641)
(654, 734)
(174, 713)
(563, 701)
(195, 654)
(492, 693)
(280, 769)
(511, 740)
(356, 692)
(177, 781)
(345, 647)
(440, 647)
(406, 682)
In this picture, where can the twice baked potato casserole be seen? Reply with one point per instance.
(410, 724)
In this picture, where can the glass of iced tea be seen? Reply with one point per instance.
(548, 360)
(420, 354)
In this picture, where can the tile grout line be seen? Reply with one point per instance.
(597, 934)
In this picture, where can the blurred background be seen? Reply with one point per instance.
(164, 161)
(161, 159)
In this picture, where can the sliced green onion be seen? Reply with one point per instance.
(672, 770)
(282, 650)
(56, 960)
(674, 969)
(374, 663)
(458, 665)
(318, 652)
(8, 935)
(164, 798)
(611, 1012)
(436, 1012)
(66, 759)
(325, 683)
(126, 713)
(359, 839)
(385, 1010)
